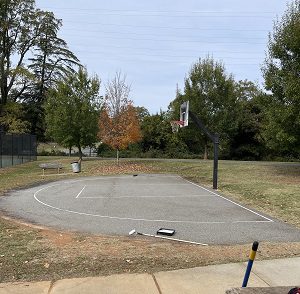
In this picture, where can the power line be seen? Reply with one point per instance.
(159, 11)
(167, 13)
(155, 35)
(185, 16)
(168, 50)
(166, 27)
(125, 58)
(181, 41)
(161, 55)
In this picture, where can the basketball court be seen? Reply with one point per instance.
(115, 205)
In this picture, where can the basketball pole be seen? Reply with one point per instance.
(215, 140)
(216, 157)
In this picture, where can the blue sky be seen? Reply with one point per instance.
(155, 42)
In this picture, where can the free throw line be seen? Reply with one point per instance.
(149, 196)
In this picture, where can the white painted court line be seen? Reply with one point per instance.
(80, 191)
(121, 178)
(246, 222)
(268, 219)
(150, 196)
(123, 218)
(114, 217)
(146, 184)
(153, 220)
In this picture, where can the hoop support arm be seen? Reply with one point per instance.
(213, 137)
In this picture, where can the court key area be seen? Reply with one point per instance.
(114, 205)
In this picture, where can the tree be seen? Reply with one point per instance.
(142, 113)
(281, 72)
(51, 61)
(32, 57)
(72, 110)
(212, 97)
(17, 36)
(12, 118)
(247, 142)
(156, 132)
(118, 123)
(121, 130)
(158, 139)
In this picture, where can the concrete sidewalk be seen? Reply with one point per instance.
(208, 279)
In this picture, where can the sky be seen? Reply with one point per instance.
(155, 43)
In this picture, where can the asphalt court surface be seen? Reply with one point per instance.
(115, 205)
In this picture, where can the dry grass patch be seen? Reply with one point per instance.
(42, 254)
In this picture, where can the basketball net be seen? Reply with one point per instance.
(175, 124)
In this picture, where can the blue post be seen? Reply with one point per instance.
(250, 263)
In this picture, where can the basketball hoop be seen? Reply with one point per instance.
(175, 124)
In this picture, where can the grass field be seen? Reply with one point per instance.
(31, 253)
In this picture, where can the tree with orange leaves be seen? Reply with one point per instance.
(118, 123)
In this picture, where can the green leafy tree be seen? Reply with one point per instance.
(142, 112)
(32, 57)
(72, 110)
(17, 37)
(212, 96)
(18, 34)
(12, 118)
(247, 142)
(281, 73)
(51, 61)
(158, 139)
(156, 131)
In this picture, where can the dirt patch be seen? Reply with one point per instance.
(136, 247)
(113, 255)
(56, 238)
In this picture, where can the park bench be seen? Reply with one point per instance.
(50, 165)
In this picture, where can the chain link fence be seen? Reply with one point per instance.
(17, 148)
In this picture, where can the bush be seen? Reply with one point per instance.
(52, 153)
(104, 149)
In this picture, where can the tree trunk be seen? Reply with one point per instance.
(205, 152)
(80, 152)
(117, 156)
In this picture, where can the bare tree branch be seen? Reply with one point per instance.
(117, 94)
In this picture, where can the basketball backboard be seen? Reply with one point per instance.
(184, 113)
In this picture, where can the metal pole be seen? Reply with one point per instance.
(1, 138)
(250, 263)
(30, 151)
(215, 140)
(166, 238)
(12, 149)
(216, 155)
(22, 148)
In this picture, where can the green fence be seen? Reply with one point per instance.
(17, 149)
